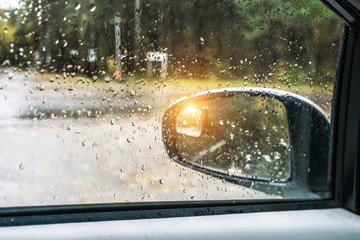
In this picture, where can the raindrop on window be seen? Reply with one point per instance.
(22, 166)
(77, 6)
(92, 7)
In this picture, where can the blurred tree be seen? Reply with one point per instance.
(221, 38)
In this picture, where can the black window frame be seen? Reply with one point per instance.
(346, 112)
(345, 156)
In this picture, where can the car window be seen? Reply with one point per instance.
(84, 86)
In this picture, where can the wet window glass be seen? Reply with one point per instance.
(85, 89)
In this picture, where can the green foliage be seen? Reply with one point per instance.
(202, 38)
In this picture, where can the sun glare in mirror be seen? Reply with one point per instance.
(189, 121)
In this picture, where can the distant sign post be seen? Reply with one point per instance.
(91, 57)
(161, 57)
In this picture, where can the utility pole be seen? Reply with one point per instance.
(118, 41)
(137, 36)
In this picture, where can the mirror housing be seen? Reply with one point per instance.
(309, 133)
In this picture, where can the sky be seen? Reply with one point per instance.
(9, 4)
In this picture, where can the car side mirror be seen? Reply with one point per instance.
(266, 139)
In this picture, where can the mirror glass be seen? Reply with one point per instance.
(240, 135)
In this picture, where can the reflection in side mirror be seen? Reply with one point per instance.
(267, 139)
(245, 136)
(189, 121)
